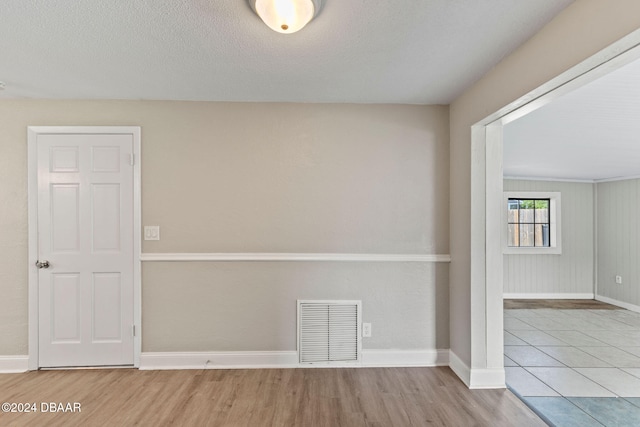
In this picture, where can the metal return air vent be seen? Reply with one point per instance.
(329, 331)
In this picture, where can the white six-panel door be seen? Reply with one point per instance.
(85, 234)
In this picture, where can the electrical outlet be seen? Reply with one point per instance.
(619, 280)
(151, 232)
(366, 330)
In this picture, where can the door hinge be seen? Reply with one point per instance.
(133, 330)
(132, 159)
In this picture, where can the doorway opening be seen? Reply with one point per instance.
(563, 347)
(487, 191)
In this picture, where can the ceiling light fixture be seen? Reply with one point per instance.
(286, 16)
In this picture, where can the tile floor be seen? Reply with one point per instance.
(575, 367)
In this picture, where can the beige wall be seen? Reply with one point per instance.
(579, 31)
(297, 178)
(570, 272)
(235, 177)
(251, 306)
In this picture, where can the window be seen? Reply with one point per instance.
(528, 222)
(532, 223)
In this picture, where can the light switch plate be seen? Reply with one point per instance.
(151, 232)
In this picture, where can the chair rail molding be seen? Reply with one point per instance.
(264, 256)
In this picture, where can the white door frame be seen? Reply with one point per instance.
(487, 370)
(32, 167)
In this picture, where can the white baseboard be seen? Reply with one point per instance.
(219, 360)
(622, 304)
(286, 359)
(14, 364)
(459, 368)
(487, 378)
(476, 378)
(404, 358)
(548, 296)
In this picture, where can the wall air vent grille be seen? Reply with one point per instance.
(329, 331)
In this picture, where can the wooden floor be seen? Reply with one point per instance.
(262, 397)
(563, 304)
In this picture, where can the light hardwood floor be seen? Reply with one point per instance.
(262, 397)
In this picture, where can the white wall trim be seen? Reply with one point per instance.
(263, 256)
(494, 260)
(487, 378)
(459, 368)
(405, 358)
(550, 179)
(484, 378)
(137, 242)
(219, 360)
(586, 181)
(619, 178)
(612, 57)
(32, 186)
(595, 240)
(14, 364)
(286, 359)
(628, 306)
(32, 212)
(549, 296)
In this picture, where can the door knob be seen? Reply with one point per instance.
(42, 264)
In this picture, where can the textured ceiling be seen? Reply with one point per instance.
(360, 51)
(592, 133)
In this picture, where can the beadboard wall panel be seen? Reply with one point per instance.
(571, 272)
(618, 207)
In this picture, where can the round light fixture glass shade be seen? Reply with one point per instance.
(286, 16)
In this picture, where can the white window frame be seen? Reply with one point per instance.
(555, 235)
